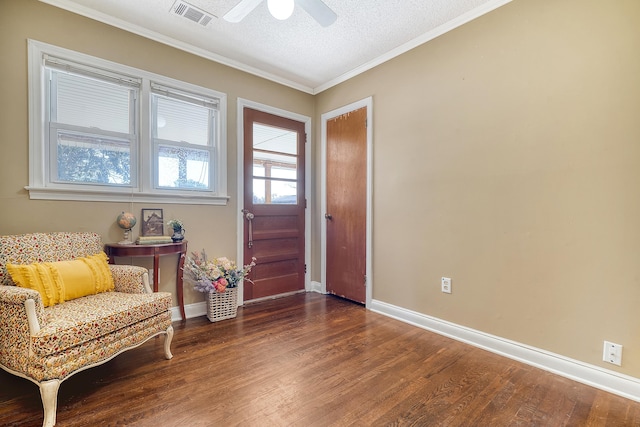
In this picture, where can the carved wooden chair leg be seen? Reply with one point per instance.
(49, 395)
(167, 342)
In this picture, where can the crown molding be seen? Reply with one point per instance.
(73, 7)
(420, 40)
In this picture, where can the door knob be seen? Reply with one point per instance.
(328, 216)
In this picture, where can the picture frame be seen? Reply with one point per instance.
(152, 222)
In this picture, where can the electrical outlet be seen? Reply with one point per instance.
(446, 285)
(612, 353)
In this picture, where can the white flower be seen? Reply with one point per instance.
(226, 263)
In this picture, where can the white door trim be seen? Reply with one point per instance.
(240, 177)
(367, 102)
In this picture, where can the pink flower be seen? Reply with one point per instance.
(220, 285)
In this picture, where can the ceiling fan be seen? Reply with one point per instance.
(282, 9)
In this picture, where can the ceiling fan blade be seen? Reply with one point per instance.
(319, 11)
(241, 10)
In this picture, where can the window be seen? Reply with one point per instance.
(91, 122)
(105, 131)
(183, 133)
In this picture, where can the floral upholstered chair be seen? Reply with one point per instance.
(63, 309)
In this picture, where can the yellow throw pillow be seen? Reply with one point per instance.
(84, 276)
(65, 280)
(39, 277)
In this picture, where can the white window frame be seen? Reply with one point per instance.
(143, 186)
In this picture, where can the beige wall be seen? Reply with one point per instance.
(210, 227)
(507, 157)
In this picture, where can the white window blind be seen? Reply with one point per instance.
(91, 103)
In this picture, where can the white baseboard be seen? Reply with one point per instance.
(200, 308)
(316, 287)
(272, 297)
(610, 381)
(190, 310)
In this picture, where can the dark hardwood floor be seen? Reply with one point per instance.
(314, 360)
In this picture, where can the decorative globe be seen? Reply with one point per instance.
(126, 220)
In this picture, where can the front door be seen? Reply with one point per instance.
(274, 203)
(346, 215)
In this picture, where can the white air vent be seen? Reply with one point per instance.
(191, 12)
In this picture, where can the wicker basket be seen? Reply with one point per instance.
(222, 305)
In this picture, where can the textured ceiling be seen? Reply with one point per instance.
(297, 52)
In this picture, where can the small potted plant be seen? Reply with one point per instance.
(178, 229)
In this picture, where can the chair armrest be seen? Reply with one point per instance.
(130, 279)
(21, 314)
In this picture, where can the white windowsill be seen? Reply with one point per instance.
(92, 195)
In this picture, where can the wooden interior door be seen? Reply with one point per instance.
(347, 205)
(274, 203)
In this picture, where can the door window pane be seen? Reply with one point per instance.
(269, 191)
(258, 170)
(283, 172)
(274, 139)
(274, 165)
(275, 159)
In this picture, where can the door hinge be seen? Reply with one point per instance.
(305, 203)
(365, 280)
(305, 268)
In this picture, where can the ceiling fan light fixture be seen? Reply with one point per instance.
(280, 9)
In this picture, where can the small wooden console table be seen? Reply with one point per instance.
(114, 249)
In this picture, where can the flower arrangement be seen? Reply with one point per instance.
(176, 224)
(214, 275)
